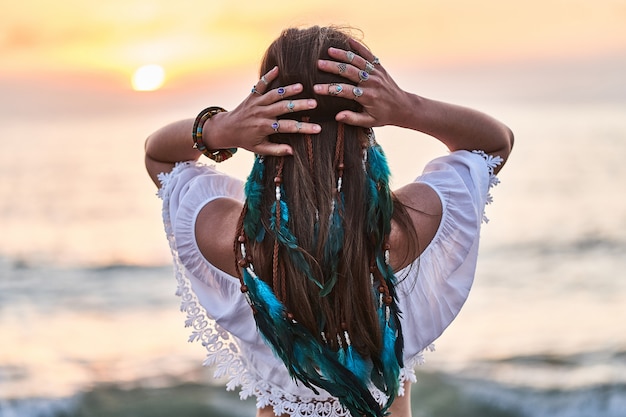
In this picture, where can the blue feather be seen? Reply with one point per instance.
(275, 308)
(288, 240)
(254, 192)
(334, 244)
(390, 363)
(356, 364)
(378, 166)
(341, 356)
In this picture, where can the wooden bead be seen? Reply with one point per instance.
(289, 315)
(344, 325)
(244, 288)
(242, 263)
(381, 289)
(388, 299)
(241, 239)
(278, 180)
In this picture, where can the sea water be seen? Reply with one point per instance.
(89, 324)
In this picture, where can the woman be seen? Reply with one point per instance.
(313, 286)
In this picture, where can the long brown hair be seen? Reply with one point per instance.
(310, 182)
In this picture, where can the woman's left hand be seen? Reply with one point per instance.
(383, 102)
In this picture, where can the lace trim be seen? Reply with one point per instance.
(165, 177)
(223, 352)
(492, 162)
(224, 355)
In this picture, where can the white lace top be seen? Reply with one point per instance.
(430, 297)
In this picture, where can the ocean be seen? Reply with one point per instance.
(90, 326)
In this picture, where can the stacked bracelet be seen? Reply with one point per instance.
(218, 155)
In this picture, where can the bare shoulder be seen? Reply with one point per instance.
(425, 210)
(215, 230)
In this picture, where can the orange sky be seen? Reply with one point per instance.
(116, 36)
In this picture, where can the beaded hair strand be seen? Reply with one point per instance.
(308, 360)
(385, 374)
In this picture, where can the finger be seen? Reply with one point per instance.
(291, 106)
(273, 149)
(355, 60)
(361, 50)
(280, 93)
(348, 91)
(261, 86)
(350, 72)
(294, 126)
(355, 119)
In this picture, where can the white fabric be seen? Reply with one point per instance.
(431, 292)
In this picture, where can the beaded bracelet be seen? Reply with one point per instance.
(218, 155)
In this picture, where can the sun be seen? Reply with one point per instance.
(148, 78)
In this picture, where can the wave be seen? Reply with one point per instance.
(605, 400)
(584, 384)
(100, 288)
(434, 395)
(185, 400)
(583, 245)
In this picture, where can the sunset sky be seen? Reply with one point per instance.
(114, 37)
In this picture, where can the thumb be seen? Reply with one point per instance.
(274, 149)
(355, 119)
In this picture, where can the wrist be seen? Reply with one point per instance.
(409, 110)
(215, 136)
(206, 136)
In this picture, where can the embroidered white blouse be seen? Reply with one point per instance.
(431, 293)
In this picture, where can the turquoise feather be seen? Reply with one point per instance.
(254, 192)
(288, 240)
(334, 244)
(306, 359)
(356, 364)
(390, 362)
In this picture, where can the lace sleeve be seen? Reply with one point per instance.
(434, 288)
(492, 162)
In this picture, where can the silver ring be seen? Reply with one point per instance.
(264, 80)
(376, 61)
(342, 68)
(275, 126)
(281, 91)
(335, 91)
(350, 56)
(290, 106)
(254, 90)
(363, 75)
(298, 126)
(369, 67)
(357, 91)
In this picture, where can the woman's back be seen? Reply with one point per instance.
(313, 285)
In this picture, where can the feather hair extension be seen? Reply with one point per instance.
(288, 240)
(386, 368)
(306, 359)
(334, 244)
(355, 363)
(254, 191)
(390, 361)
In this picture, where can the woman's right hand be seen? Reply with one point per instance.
(251, 123)
(383, 102)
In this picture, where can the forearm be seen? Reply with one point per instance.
(457, 127)
(172, 143)
(168, 145)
